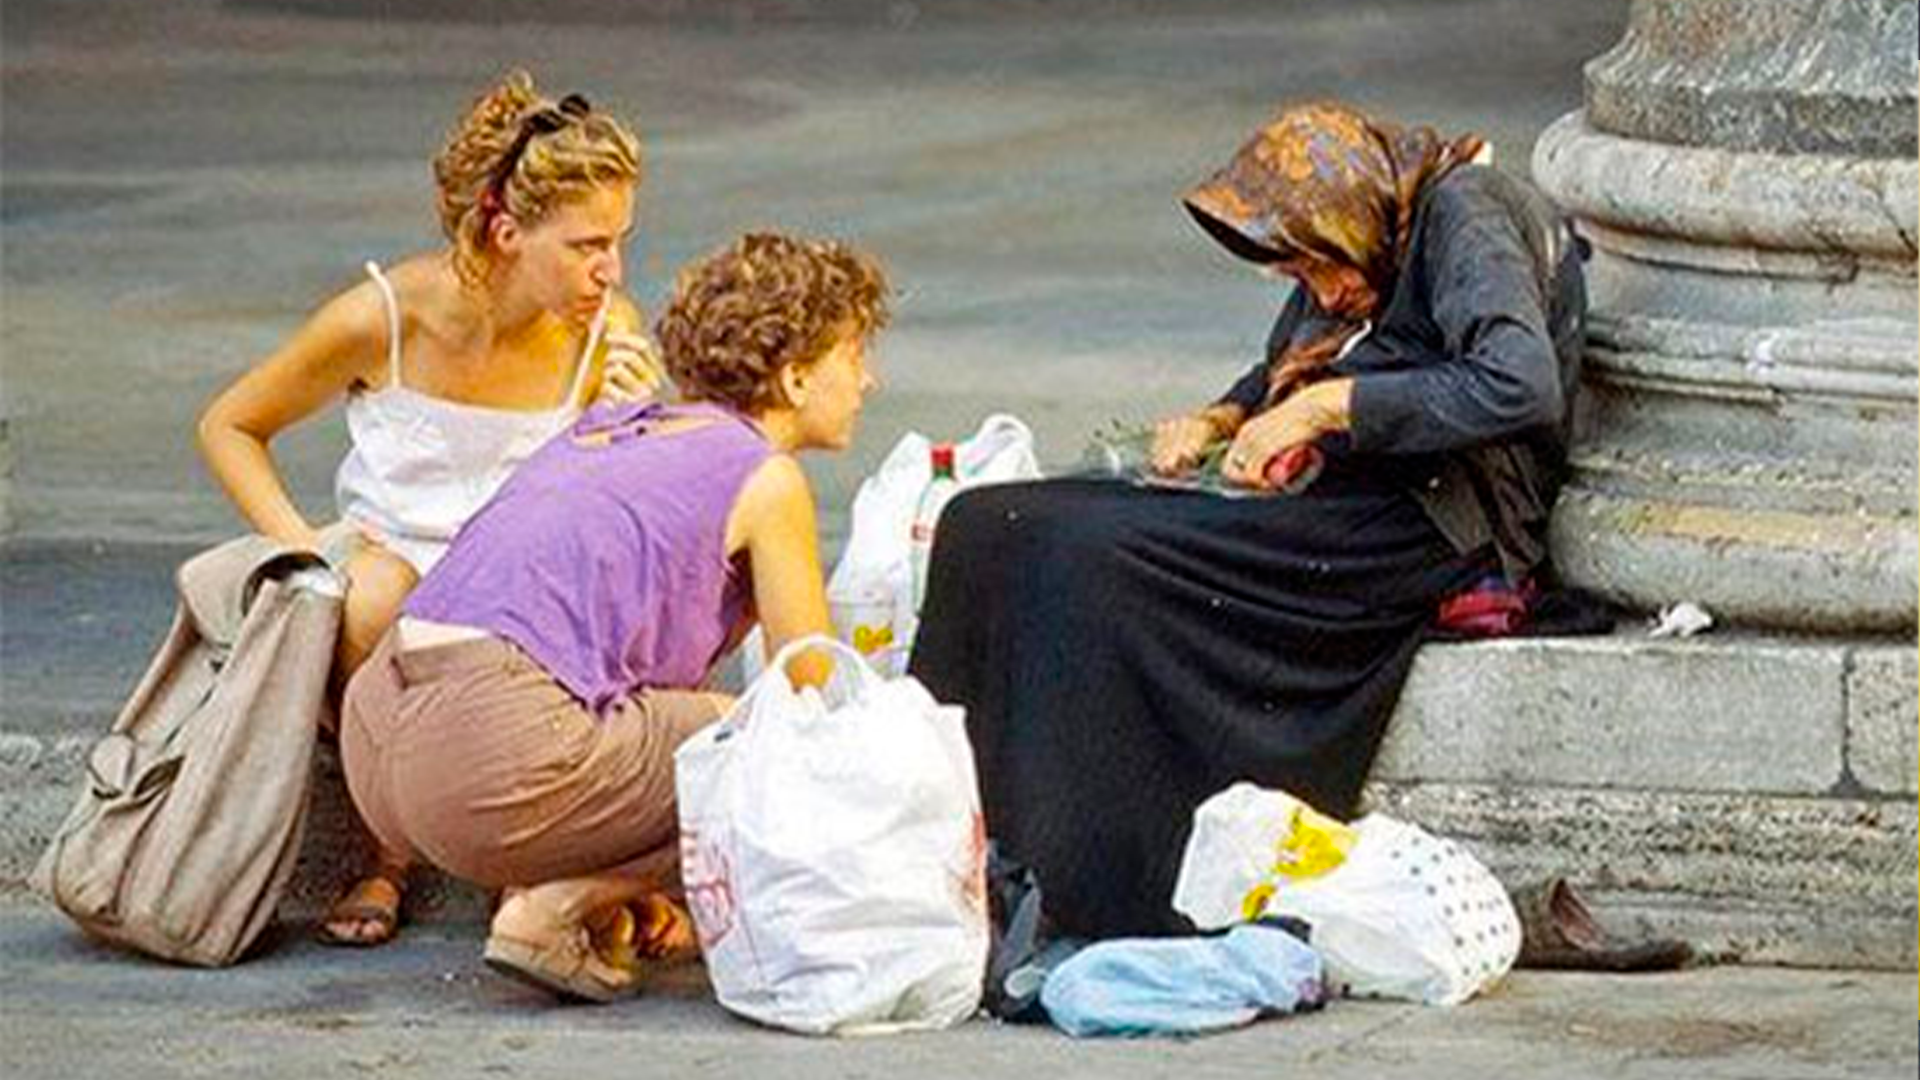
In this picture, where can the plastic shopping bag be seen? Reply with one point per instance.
(1403, 915)
(833, 853)
(871, 589)
(1247, 843)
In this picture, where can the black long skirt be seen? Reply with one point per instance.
(1123, 653)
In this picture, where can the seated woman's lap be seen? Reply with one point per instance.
(1122, 653)
(473, 757)
(1360, 547)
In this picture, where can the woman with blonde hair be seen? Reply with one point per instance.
(453, 365)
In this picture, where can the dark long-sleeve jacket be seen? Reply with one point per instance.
(1468, 375)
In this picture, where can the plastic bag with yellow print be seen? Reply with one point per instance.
(1248, 844)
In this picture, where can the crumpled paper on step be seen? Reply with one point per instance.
(1684, 619)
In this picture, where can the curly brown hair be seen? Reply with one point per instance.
(743, 313)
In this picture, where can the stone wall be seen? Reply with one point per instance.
(1746, 173)
(1752, 794)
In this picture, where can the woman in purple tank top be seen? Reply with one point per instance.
(517, 726)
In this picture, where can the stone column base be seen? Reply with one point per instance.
(1747, 435)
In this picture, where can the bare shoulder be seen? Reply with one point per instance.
(347, 333)
(340, 346)
(775, 501)
(424, 285)
(779, 483)
(433, 306)
(422, 269)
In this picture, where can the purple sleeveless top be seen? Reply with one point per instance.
(603, 557)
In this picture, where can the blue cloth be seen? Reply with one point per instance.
(1183, 986)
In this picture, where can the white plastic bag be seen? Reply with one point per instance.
(871, 589)
(1404, 915)
(833, 853)
(1247, 844)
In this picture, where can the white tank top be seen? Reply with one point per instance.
(421, 465)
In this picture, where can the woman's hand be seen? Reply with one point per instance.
(1310, 412)
(634, 370)
(1181, 441)
(340, 542)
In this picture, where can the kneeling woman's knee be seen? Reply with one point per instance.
(377, 584)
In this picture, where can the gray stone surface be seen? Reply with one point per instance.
(1883, 720)
(80, 622)
(39, 780)
(184, 181)
(427, 1008)
(1845, 207)
(1834, 573)
(1747, 434)
(1762, 879)
(1624, 712)
(1803, 76)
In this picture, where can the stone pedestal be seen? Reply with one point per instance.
(1746, 173)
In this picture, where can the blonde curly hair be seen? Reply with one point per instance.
(519, 153)
(743, 313)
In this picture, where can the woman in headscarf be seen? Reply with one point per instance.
(1124, 652)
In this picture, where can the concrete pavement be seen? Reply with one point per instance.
(426, 1007)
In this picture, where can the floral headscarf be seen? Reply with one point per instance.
(1324, 180)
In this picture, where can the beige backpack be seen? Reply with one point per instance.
(193, 807)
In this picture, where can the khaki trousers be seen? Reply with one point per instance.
(471, 756)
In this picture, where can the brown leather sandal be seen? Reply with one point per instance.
(666, 930)
(1559, 931)
(359, 908)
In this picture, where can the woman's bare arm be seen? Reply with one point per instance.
(342, 343)
(774, 523)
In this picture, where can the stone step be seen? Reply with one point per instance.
(1752, 794)
(1755, 795)
(1721, 712)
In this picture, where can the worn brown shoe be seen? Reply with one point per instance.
(1558, 930)
(571, 967)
